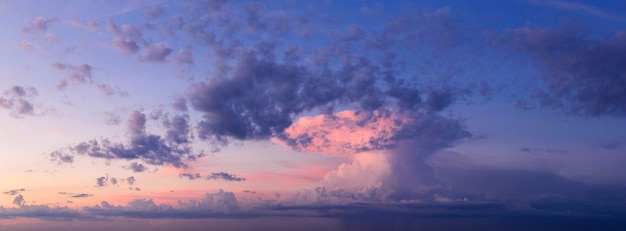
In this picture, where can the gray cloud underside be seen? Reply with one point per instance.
(368, 216)
(18, 99)
(258, 88)
(172, 149)
(212, 176)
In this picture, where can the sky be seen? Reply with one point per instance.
(313, 115)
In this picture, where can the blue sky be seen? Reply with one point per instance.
(335, 115)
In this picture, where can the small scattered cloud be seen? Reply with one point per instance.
(14, 192)
(18, 99)
(137, 167)
(156, 53)
(173, 149)
(38, 25)
(212, 176)
(104, 181)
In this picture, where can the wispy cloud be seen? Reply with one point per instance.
(579, 8)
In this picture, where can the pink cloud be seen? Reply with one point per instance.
(344, 133)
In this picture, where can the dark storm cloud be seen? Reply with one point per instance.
(526, 185)
(18, 99)
(260, 87)
(261, 97)
(173, 149)
(583, 74)
(543, 214)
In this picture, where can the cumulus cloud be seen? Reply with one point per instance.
(18, 99)
(130, 180)
(137, 167)
(104, 181)
(19, 200)
(174, 149)
(126, 38)
(191, 176)
(80, 74)
(261, 97)
(583, 74)
(216, 204)
(157, 52)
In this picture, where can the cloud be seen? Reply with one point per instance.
(79, 74)
(81, 195)
(191, 176)
(217, 204)
(582, 73)
(14, 192)
(224, 176)
(76, 195)
(578, 7)
(61, 157)
(38, 25)
(82, 74)
(106, 180)
(184, 57)
(126, 38)
(212, 176)
(137, 167)
(158, 52)
(102, 181)
(112, 118)
(131, 180)
(174, 149)
(18, 99)
(19, 200)
(111, 90)
(154, 12)
(348, 132)
(261, 97)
